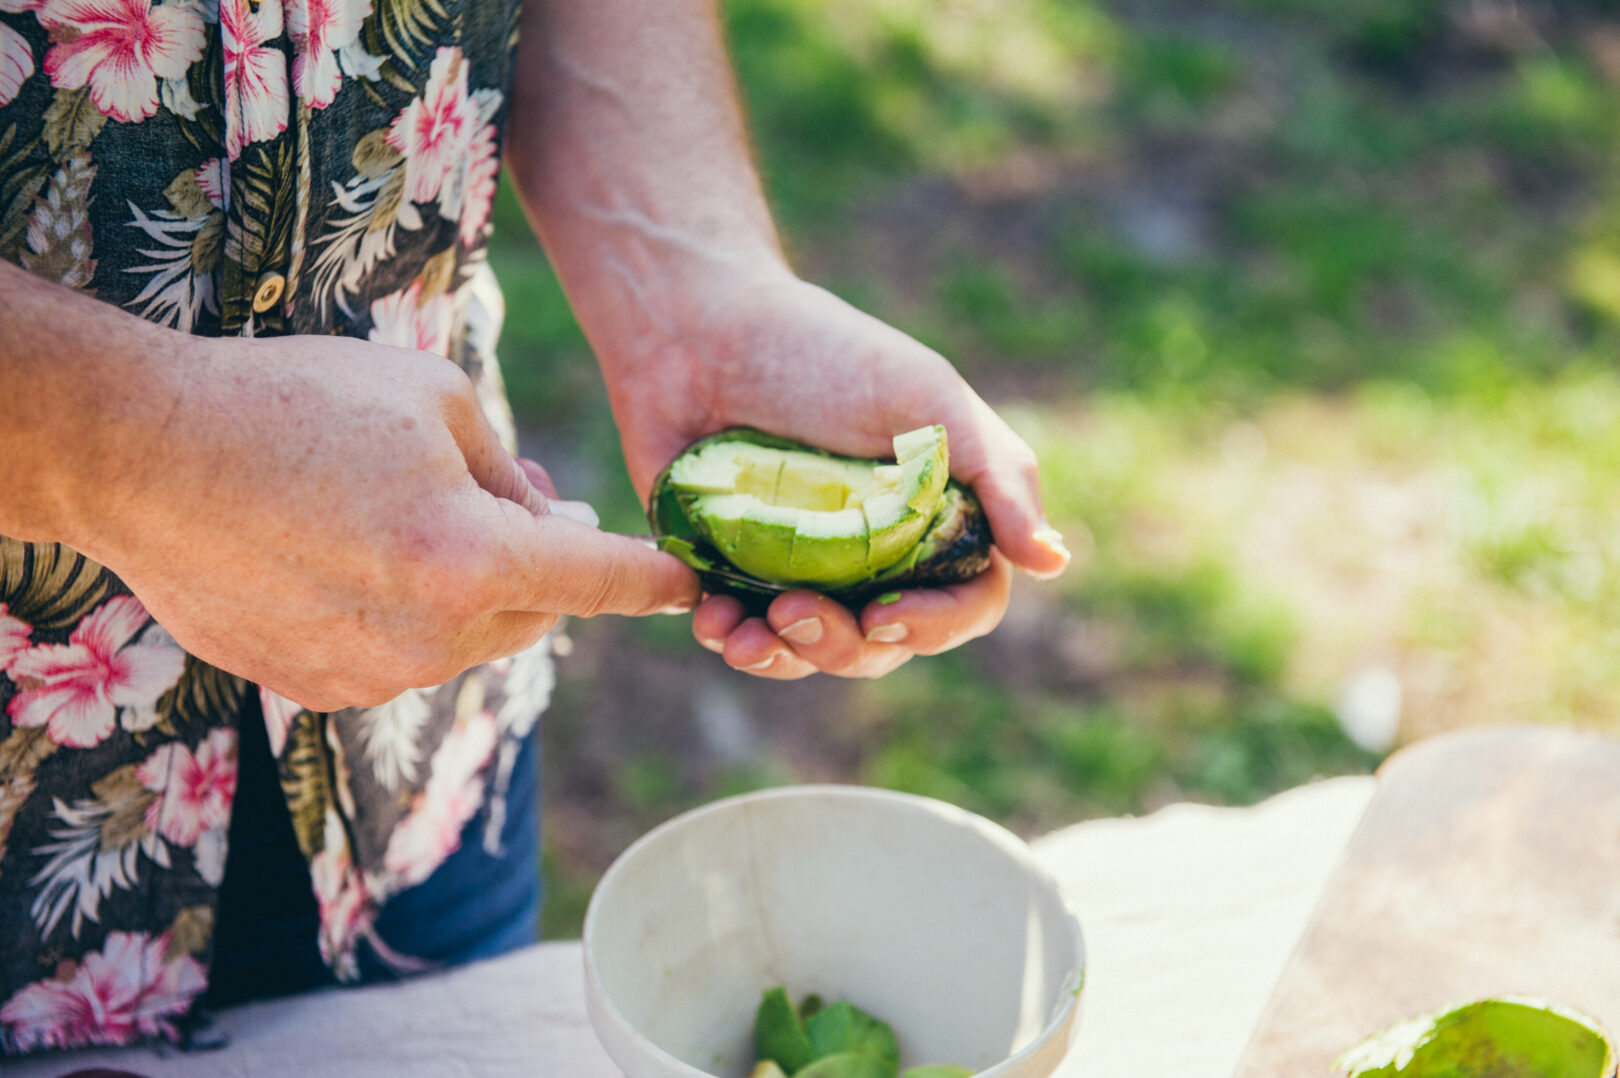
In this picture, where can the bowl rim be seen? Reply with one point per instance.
(1058, 1021)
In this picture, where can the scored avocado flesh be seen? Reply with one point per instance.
(800, 517)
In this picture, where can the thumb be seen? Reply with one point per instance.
(1002, 470)
(572, 568)
(560, 562)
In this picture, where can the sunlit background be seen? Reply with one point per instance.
(1310, 308)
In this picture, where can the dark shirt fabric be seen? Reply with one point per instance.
(476, 905)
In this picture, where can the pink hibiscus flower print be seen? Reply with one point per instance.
(454, 792)
(212, 181)
(126, 990)
(346, 909)
(320, 29)
(400, 319)
(16, 58)
(120, 48)
(255, 76)
(195, 790)
(77, 689)
(13, 637)
(478, 193)
(434, 130)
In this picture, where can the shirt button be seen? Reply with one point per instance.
(266, 295)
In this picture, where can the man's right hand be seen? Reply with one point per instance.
(337, 521)
(331, 518)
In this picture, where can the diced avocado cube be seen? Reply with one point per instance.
(916, 443)
(892, 527)
(711, 470)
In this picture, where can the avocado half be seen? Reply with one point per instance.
(1507, 1037)
(756, 514)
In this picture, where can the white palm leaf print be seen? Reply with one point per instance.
(353, 245)
(176, 294)
(390, 736)
(81, 872)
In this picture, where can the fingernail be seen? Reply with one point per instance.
(577, 511)
(1052, 539)
(761, 665)
(678, 608)
(891, 633)
(805, 631)
(716, 646)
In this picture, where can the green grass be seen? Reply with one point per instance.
(1310, 309)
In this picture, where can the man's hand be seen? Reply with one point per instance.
(337, 521)
(331, 518)
(630, 155)
(789, 358)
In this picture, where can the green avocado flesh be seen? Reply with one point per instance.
(779, 514)
(1489, 1038)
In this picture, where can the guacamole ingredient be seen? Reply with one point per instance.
(842, 1041)
(779, 1032)
(1489, 1038)
(756, 514)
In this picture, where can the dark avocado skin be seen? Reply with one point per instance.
(955, 549)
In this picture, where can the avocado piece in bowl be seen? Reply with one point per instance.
(757, 514)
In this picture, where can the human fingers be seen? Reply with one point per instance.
(538, 476)
(931, 620)
(488, 462)
(515, 479)
(714, 619)
(1003, 472)
(562, 566)
(540, 479)
(754, 649)
(827, 635)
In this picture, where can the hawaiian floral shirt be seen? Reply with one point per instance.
(231, 167)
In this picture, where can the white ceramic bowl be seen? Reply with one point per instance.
(929, 917)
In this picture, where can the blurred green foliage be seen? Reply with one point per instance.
(1214, 259)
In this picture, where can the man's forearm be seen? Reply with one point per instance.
(631, 157)
(77, 378)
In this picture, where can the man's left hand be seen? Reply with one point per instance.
(787, 357)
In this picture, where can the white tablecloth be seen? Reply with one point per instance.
(1189, 917)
